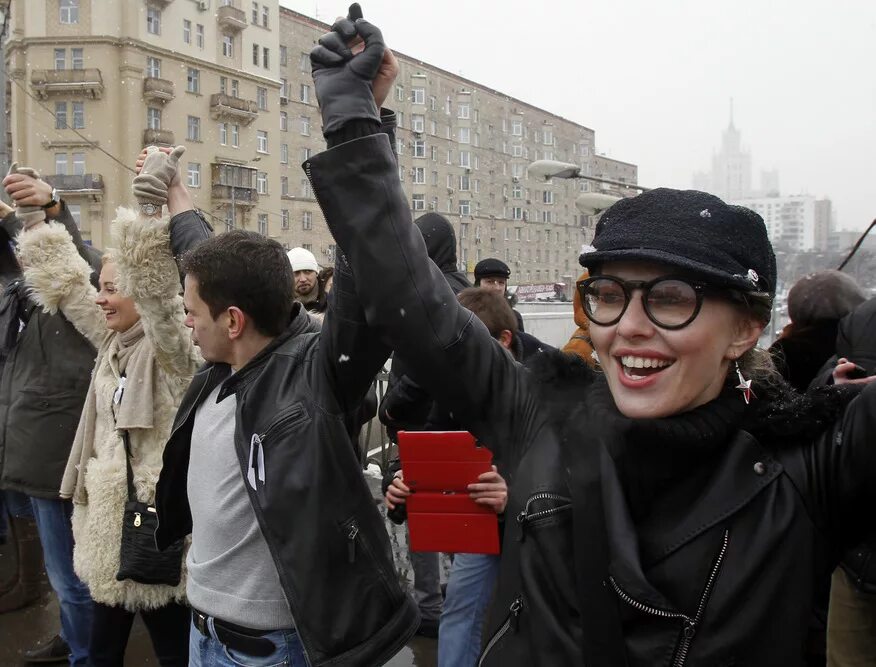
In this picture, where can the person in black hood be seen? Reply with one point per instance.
(421, 414)
(441, 247)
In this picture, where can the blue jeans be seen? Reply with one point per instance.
(56, 536)
(210, 652)
(469, 589)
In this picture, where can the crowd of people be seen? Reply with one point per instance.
(180, 417)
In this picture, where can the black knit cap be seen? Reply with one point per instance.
(724, 245)
(491, 267)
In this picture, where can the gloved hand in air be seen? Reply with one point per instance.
(158, 170)
(344, 79)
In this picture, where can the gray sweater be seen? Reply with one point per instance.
(231, 573)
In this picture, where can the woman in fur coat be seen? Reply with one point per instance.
(144, 364)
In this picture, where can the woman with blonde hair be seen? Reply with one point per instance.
(144, 363)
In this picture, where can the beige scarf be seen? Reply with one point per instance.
(127, 354)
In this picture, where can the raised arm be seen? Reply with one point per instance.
(58, 277)
(403, 294)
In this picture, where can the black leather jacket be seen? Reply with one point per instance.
(328, 541)
(728, 580)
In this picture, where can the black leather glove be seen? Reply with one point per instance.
(342, 80)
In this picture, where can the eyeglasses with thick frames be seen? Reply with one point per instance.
(670, 302)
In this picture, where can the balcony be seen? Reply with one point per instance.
(160, 4)
(157, 90)
(158, 138)
(231, 18)
(80, 185)
(85, 82)
(233, 194)
(233, 108)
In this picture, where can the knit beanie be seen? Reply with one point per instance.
(302, 259)
(695, 232)
(823, 295)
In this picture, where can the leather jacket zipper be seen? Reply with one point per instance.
(352, 533)
(525, 515)
(511, 623)
(689, 627)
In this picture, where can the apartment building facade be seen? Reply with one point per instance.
(231, 80)
(95, 80)
(796, 223)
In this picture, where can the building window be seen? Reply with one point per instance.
(465, 159)
(235, 135)
(284, 90)
(401, 174)
(284, 121)
(517, 214)
(464, 135)
(78, 164)
(304, 93)
(69, 12)
(263, 224)
(153, 67)
(305, 125)
(261, 141)
(517, 128)
(235, 88)
(223, 134)
(193, 173)
(307, 221)
(284, 218)
(304, 62)
(547, 216)
(284, 56)
(305, 154)
(306, 189)
(77, 58)
(255, 54)
(76, 214)
(517, 151)
(61, 164)
(266, 61)
(255, 13)
(262, 98)
(463, 110)
(465, 182)
(60, 58)
(284, 186)
(419, 175)
(187, 31)
(193, 80)
(418, 95)
(464, 207)
(418, 202)
(199, 36)
(433, 103)
(193, 128)
(153, 21)
(418, 123)
(400, 93)
(262, 182)
(284, 153)
(228, 46)
(548, 197)
(78, 115)
(418, 147)
(548, 137)
(153, 118)
(265, 16)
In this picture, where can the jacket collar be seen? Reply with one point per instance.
(299, 323)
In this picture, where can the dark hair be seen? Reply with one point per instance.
(491, 308)
(246, 270)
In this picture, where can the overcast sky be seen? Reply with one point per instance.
(654, 78)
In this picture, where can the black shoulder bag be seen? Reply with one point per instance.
(139, 558)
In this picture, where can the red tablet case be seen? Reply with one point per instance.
(438, 467)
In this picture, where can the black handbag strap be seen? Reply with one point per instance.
(132, 494)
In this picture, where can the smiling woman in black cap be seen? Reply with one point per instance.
(675, 509)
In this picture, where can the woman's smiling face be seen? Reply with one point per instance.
(656, 372)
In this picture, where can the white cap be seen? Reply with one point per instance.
(302, 259)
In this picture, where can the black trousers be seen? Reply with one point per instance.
(168, 629)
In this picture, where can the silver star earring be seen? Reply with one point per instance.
(744, 385)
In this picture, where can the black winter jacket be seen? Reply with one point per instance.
(724, 580)
(43, 381)
(328, 541)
